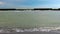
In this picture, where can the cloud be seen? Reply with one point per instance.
(48, 6)
(1, 3)
(15, 0)
(29, 3)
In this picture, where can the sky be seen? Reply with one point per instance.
(29, 3)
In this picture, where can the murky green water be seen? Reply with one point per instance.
(29, 18)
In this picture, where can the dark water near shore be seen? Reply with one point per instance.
(32, 33)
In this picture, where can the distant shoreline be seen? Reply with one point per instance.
(30, 9)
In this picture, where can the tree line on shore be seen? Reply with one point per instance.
(30, 9)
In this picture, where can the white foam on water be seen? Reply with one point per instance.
(32, 30)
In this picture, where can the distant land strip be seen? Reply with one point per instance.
(30, 9)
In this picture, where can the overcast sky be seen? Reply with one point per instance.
(29, 3)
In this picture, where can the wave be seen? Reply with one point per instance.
(41, 29)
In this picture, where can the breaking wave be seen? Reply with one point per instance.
(41, 29)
